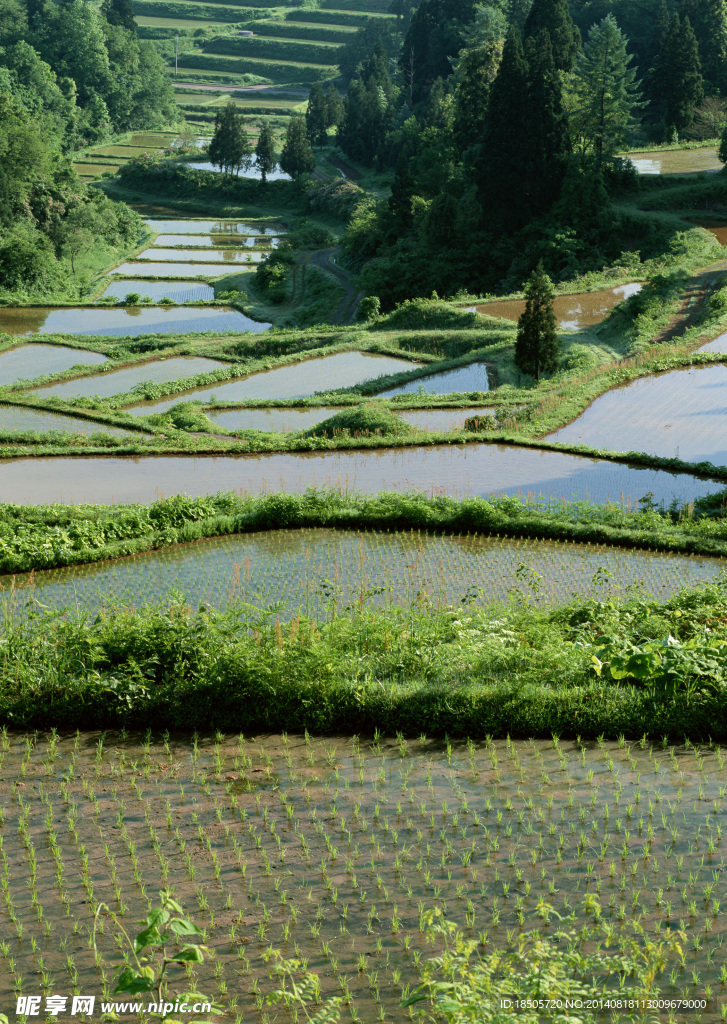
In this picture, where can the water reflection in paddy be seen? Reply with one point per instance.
(681, 414)
(201, 255)
(181, 226)
(296, 567)
(119, 381)
(572, 312)
(459, 470)
(462, 379)
(298, 380)
(178, 291)
(16, 417)
(251, 172)
(278, 421)
(128, 321)
(171, 270)
(214, 241)
(440, 419)
(29, 361)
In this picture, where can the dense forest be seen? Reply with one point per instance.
(501, 122)
(70, 76)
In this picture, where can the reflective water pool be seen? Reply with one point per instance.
(16, 417)
(297, 380)
(279, 421)
(572, 312)
(251, 172)
(215, 241)
(461, 380)
(201, 255)
(681, 414)
(119, 381)
(175, 290)
(190, 226)
(171, 270)
(458, 470)
(128, 321)
(25, 362)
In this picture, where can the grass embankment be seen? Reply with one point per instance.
(50, 536)
(595, 668)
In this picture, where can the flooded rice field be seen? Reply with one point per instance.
(334, 849)
(718, 230)
(680, 414)
(285, 420)
(130, 321)
(19, 417)
(251, 172)
(440, 419)
(190, 226)
(457, 470)
(177, 291)
(170, 270)
(201, 255)
(573, 312)
(25, 362)
(298, 380)
(214, 241)
(278, 421)
(460, 380)
(118, 381)
(718, 345)
(676, 161)
(323, 572)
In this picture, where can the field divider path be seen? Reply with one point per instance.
(347, 310)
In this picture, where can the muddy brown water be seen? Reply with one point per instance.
(718, 230)
(573, 312)
(24, 362)
(681, 414)
(333, 849)
(320, 573)
(458, 470)
(298, 380)
(130, 321)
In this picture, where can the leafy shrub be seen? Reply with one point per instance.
(370, 308)
(434, 314)
(362, 421)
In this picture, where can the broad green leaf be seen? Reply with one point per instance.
(131, 983)
(190, 954)
(181, 926)
(158, 918)
(147, 937)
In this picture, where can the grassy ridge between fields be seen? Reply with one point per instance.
(50, 536)
(458, 672)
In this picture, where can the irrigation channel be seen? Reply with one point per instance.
(341, 845)
(324, 572)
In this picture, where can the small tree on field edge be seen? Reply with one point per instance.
(297, 157)
(265, 159)
(536, 348)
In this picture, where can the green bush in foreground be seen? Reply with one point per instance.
(596, 667)
(362, 421)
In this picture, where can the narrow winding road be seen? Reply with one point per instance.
(347, 310)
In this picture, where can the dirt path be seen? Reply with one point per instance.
(696, 294)
(347, 310)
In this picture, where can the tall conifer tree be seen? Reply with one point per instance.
(265, 159)
(546, 127)
(297, 156)
(709, 21)
(536, 348)
(230, 148)
(501, 169)
(315, 117)
(675, 81)
(554, 16)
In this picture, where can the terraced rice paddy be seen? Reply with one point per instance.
(249, 172)
(676, 161)
(458, 470)
(25, 362)
(118, 381)
(180, 226)
(319, 572)
(461, 380)
(158, 290)
(200, 255)
(213, 242)
(18, 417)
(681, 414)
(284, 420)
(440, 419)
(131, 321)
(170, 271)
(298, 380)
(338, 847)
(573, 312)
